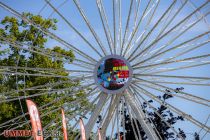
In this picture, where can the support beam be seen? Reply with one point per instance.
(112, 109)
(89, 126)
(141, 117)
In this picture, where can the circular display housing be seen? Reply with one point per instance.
(113, 74)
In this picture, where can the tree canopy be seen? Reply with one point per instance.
(14, 35)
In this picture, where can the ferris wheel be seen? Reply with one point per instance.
(127, 53)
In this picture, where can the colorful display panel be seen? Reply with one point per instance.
(113, 73)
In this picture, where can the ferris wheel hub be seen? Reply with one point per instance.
(113, 74)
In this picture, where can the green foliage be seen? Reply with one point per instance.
(15, 30)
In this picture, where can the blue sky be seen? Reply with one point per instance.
(70, 12)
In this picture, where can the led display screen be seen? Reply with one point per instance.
(112, 74)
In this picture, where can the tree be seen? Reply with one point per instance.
(18, 31)
(163, 129)
(196, 136)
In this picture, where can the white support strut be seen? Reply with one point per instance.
(141, 117)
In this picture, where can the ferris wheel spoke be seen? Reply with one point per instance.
(69, 118)
(132, 124)
(48, 85)
(104, 113)
(141, 117)
(83, 66)
(106, 107)
(176, 110)
(182, 83)
(144, 110)
(158, 114)
(119, 37)
(38, 74)
(162, 70)
(149, 21)
(79, 99)
(42, 93)
(188, 97)
(82, 13)
(68, 45)
(44, 52)
(157, 53)
(42, 72)
(113, 105)
(123, 115)
(132, 114)
(185, 51)
(172, 17)
(136, 15)
(126, 27)
(156, 79)
(40, 109)
(136, 12)
(186, 60)
(12, 122)
(86, 109)
(173, 76)
(105, 24)
(114, 24)
(202, 128)
(135, 30)
(113, 124)
(43, 69)
(133, 56)
(142, 35)
(182, 52)
(120, 112)
(42, 25)
(77, 120)
(14, 98)
(73, 28)
(54, 55)
(89, 126)
(189, 26)
(136, 6)
(169, 31)
(74, 127)
(42, 9)
(27, 122)
(15, 123)
(183, 95)
(177, 46)
(146, 113)
(199, 13)
(163, 29)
